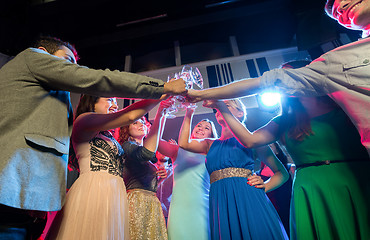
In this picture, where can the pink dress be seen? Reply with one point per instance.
(96, 204)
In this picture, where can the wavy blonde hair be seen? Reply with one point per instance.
(238, 105)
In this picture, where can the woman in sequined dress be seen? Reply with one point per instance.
(189, 201)
(238, 205)
(96, 204)
(146, 219)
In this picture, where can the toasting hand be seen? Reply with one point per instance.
(161, 172)
(175, 87)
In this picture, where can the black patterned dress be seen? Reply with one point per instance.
(96, 204)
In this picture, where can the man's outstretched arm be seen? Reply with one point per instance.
(241, 88)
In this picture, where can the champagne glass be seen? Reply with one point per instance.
(172, 76)
(169, 112)
(186, 75)
(190, 75)
(197, 77)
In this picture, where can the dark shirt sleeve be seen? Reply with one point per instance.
(137, 153)
(139, 172)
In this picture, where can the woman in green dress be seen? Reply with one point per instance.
(331, 191)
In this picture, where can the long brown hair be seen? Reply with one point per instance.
(294, 116)
(237, 104)
(296, 119)
(86, 104)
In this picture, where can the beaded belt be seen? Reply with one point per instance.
(229, 172)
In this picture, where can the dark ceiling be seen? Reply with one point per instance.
(104, 31)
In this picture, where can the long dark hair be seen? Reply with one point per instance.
(86, 104)
(295, 119)
(294, 116)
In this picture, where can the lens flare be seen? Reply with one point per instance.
(270, 99)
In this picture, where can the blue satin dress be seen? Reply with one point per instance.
(238, 210)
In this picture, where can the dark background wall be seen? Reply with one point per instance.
(105, 31)
(146, 35)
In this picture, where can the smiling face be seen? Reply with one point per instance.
(106, 105)
(202, 130)
(353, 14)
(138, 129)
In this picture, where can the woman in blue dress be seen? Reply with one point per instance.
(238, 205)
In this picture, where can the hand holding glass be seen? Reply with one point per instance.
(190, 75)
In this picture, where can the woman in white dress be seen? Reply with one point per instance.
(96, 204)
(188, 215)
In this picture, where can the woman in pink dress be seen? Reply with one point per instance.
(96, 204)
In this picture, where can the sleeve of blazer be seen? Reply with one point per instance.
(60, 74)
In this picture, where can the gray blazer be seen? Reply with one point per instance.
(36, 121)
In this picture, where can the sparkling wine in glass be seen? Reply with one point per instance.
(186, 75)
(169, 112)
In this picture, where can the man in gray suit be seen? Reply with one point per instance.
(35, 126)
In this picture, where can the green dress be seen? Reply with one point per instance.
(330, 201)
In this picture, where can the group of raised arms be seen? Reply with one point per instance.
(331, 191)
(114, 196)
(216, 194)
(324, 126)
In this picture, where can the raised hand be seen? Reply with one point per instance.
(189, 105)
(161, 172)
(172, 141)
(211, 103)
(166, 103)
(194, 96)
(175, 87)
